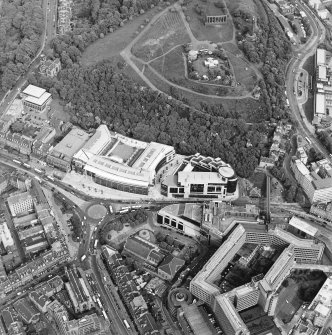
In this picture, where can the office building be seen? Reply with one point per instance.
(6, 236)
(120, 162)
(61, 155)
(20, 203)
(184, 218)
(201, 177)
(263, 290)
(317, 182)
(60, 315)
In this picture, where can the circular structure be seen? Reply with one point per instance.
(144, 233)
(180, 296)
(96, 211)
(226, 171)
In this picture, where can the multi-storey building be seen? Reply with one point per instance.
(263, 290)
(323, 210)
(35, 102)
(61, 155)
(20, 203)
(199, 176)
(317, 184)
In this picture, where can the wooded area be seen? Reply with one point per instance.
(21, 28)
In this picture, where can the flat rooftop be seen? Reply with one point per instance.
(303, 226)
(72, 142)
(34, 91)
(38, 101)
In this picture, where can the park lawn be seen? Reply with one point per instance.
(245, 5)
(216, 34)
(168, 31)
(171, 66)
(243, 72)
(113, 43)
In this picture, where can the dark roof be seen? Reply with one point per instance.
(171, 265)
(142, 248)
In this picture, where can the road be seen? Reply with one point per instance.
(294, 66)
(50, 10)
(108, 301)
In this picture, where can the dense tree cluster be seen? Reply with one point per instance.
(21, 27)
(95, 19)
(98, 93)
(271, 50)
(326, 140)
(292, 192)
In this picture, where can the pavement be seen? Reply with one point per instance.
(63, 226)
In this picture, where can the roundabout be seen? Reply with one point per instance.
(96, 211)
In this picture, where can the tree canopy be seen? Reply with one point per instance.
(21, 27)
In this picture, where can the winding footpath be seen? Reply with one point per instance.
(127, 55)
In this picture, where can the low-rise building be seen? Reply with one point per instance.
(143, 250)
(50, 68)
(323, 210)
(27, 311)
(169, 267)
(40, 300)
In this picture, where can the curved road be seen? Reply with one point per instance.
(294, 66)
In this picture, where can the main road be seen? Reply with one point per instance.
(295, 64)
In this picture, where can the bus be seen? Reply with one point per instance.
(96, 243)
(99, 303)
(287, 102)
(27, 165)
(124, 211)
(50, 178)
(111, 209)
(126, 324)
(38, 179)
(83, 258)
(122, 208)
(104, 314)
(17, 162)
(136, 207)
(308, 140)
(38, 171)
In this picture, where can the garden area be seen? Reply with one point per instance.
(301, 286)
(167, 32)
(131, 219)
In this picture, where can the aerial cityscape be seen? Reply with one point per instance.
(166, 167)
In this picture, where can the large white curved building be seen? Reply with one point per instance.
(120, 162)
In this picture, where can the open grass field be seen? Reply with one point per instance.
(113, 43)
(167, 32)
(243, 72)
(171, 66)
(245, 5)
(220, 33)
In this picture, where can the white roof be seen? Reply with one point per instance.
(38, 101)
(226, 171)
(320, 56)
(301, 167)
(322, 70)
(302, 225)
(320, 104)
(152, 155)
(323, 310)
(98, 141)
(34, 91)
(117, 172)
(186, 178)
